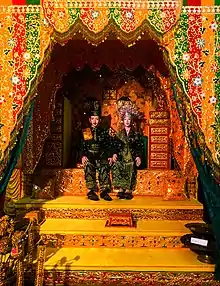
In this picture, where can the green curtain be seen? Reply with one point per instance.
(209, 187)
(16, 151)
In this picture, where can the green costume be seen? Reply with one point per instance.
(124, 171)
(97, 146)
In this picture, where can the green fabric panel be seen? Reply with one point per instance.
(185, 3)
(217, 2)
(16, 151)
(210, 188)
(33, 2)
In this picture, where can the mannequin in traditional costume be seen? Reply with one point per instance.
(128, 158)
(96, 154)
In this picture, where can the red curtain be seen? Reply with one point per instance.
(76, 54)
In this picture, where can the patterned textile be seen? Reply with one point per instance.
(124, 171)
(103, 170)
(97, 145)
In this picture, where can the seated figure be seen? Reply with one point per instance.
(128, 155)
(96, 155)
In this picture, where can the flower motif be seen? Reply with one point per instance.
(214, 26)
(197, 81)
(11, 42)
(95, 14)
(15, 79)
(1, 67)
(2, 99)
(214, 67)
(186, 57)
(129, 15)
(213, 99)
(61, 14)
(27, 56)
(201, 43)
(1, 25)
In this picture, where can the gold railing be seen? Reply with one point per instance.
(17, 252)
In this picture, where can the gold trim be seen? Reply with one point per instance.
(111, 28)
(111, 241)
(149, 214)
(129, 278)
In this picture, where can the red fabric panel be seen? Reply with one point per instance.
(194, 2)
(18, 2)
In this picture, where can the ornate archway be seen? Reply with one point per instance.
(188, 35)
(28, 33)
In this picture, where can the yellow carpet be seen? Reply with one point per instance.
(118, 259)
(83, 202)
(144, 227)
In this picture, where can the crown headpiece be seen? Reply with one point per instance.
(130, 109)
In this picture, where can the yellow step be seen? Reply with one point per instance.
(68, 202)
(144, 227)
(120, 259)
(93, 233)
(148, 208)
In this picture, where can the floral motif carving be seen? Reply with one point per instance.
(128, 241)
(129, 278)
(150, 214)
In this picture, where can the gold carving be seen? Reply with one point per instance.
(159, 139)
(158, 164)
(140, 278)
(111, 241)
(159, 130)
(149, 214)
(71, 182)
(53, 155)
(159, 147)
(149, 182)
(159, 122)
(191, 187)
(159, 156)
(41, 253)
(159, 114)
(176, 189)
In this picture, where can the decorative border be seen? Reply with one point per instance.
(111, 241)
(128, 278)
(149, 214)
(142, 5)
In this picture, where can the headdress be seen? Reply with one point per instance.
(93, 108)
(129, 108)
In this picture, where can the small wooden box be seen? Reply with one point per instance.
(120, 220)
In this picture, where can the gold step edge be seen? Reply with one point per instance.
(153, 268)
(124, 233)
(105, 206)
